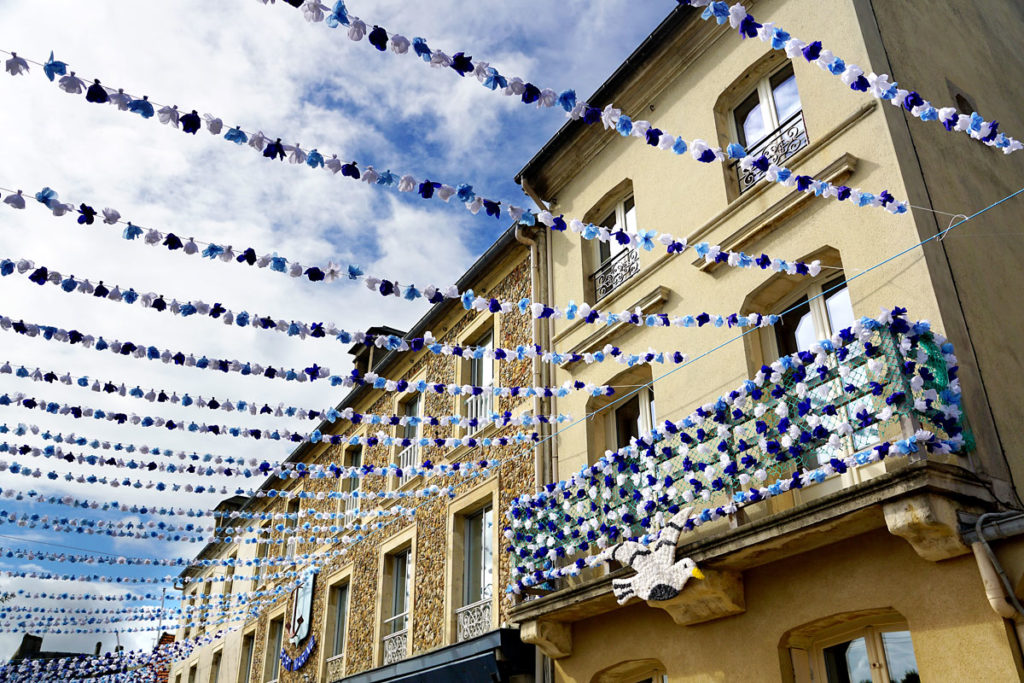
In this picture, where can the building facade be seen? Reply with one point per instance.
(421, 593)
(867, 575)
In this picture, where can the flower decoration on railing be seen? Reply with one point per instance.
(881, 388)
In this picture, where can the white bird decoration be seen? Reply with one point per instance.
(658, 576)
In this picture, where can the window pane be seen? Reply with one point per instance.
(629, 211)
(472, 549)
(750, 121)
(899, 657)
(848, 662)
(339, 602)
(487, 554)
(411, 409)
(840, 309)
(627, 422)
(785, 94)
(796, 332)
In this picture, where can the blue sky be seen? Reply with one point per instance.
(261, 67)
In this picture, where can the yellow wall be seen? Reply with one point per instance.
(956, 635)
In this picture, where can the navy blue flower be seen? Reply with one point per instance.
(378, 38)
(492, 208)
(86, 214)
(591, 115)
(427, 189)
(531, 93)
(350, 170)
(748, 27)
(653, 136)
(274, 150)
(314, 274)
(812, 51)
(97, 93)
(191, 123)
(462, 63)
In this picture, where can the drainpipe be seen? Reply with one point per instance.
(538, 379)
(546, 342)
(998, 588)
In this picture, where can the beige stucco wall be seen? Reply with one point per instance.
(956, 636)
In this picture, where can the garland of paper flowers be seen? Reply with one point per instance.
(86, 666)
(381, 438)
(297, 663)
(67, 626)
(610, 117)
(535, 521)
(135, 580)
(122, 561)
(738, 18)
(143, 597)
(105, 506)
(470, 301)
(312, 373)
(143, 611)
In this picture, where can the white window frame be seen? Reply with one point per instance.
(272, 663)
(614, 248)
(819, 313)
(348, 506)
(768, 112)
(246, 657)
(482, 405)
(411, 453)
(648, 416)
(872, 636)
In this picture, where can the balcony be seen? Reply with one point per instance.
(479, 408)
(614, 272)
(350, 506)
(335, 667)
(813, 425)
(778, 146)
(408, 459)
(473, 620)
(396, 644)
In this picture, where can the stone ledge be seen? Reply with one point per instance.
(719, 594)
(929, 524)
(554, 638)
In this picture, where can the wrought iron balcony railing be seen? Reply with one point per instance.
(473, 620)
(479, 408)
(778, 146)
(396, 645)
(614, 272)
(881, 390)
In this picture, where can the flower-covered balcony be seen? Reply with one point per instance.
(848, 409)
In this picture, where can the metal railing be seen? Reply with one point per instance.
(614, 272)
(350, 506)
(779, 145)
(408, 459)
(396, 644)
(479, 408)
(335, 667)
(821, 410)
(473, 620)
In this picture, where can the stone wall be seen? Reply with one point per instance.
(515, 476)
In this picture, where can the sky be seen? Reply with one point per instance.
(262, 67)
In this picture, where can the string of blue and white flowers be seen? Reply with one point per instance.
(141, 611)
(129, 561)
(877, 85)
(381, 438)
(610, 117)
(737, 17)
(143, 597)
(86, 626)
(330, 415)
(312, 373)
(42, 275)
(470, 301)
(79, 666)
(133, 580)
(135, 509)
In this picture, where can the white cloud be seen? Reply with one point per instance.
(259, 67)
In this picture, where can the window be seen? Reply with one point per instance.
(215, 667)
(275, 639)
(871, 655)
(616, 262)
(399, 583)
(205, 606)
(292, 524)
(479, 564)
(807, 322)
(473, 619)
(395, 604)
(481, 374)
(262, 553)
(229, 577)
(769, 121)
(409, 456)
(339, 613)
(192, 670)
(353, 458)
(633, 417)
(245, 668)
